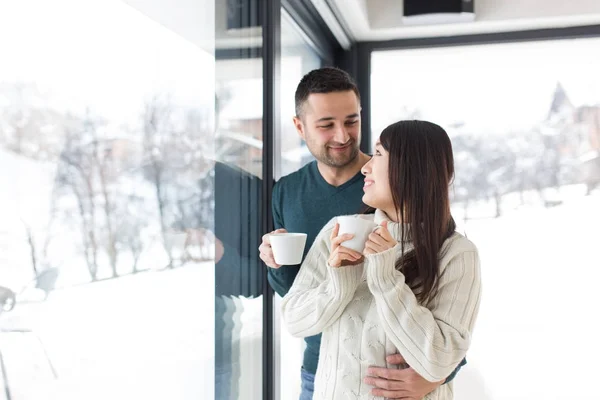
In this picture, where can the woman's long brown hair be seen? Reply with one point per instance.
(421, 167)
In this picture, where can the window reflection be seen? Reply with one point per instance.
(238, 232)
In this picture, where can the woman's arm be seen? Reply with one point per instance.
(433, 340)
(320, 293)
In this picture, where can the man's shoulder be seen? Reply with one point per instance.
(292, 180)
(298, 174)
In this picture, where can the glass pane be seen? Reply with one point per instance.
(524, 119)
(298, 58)
(238, 183)
(108, 185)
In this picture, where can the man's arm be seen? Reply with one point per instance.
(403, 383)
(458, 367)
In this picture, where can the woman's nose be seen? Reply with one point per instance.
(366, 169)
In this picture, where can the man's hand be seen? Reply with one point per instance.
(266, 252)
(403, 384)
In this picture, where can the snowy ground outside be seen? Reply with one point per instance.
(145, 336)
(538, 322)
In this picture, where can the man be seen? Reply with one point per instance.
(328, 120)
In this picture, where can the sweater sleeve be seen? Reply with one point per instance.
(320, 293)
(434, 339)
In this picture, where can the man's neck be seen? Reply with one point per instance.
(337, 176)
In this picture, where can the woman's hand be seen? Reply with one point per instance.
(342, 256)
(380, 240)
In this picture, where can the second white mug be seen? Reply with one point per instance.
(288, 248)
(357, 226)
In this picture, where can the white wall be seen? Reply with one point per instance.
(496, 10)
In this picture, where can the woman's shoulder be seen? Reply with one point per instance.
(457, 244)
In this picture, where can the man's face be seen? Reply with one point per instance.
(330, 125)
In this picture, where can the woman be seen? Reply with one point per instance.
(414, 290)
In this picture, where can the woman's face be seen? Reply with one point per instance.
(378, 193)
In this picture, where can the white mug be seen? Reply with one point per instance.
(357, 226)
(288, 248)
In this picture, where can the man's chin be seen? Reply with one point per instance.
(341, 160)
(338, 163)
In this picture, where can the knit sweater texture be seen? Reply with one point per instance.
(367, 312)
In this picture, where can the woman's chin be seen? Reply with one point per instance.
(367, 202)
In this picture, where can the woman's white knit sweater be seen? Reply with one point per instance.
(367, 312)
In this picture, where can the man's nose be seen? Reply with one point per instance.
(341, 136)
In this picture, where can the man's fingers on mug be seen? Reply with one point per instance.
(266, 238)
(265, 248)
(269, 261)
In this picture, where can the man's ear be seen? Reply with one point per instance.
(299, 127)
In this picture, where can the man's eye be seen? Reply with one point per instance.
(351, 122)
(326, 126)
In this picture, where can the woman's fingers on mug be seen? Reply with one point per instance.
(342, 254)
(334, 232)
(367, 251)
(349, 253)
(338, 240)
(372, 247)
(377, 239)
(384, 232)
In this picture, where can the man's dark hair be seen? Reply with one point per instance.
(323, 80)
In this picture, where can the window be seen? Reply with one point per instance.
(107, 205)
(524, 119)
(297, 59)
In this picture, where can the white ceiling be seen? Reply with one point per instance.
(370, 20)
(374, 20)
(191, 19)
